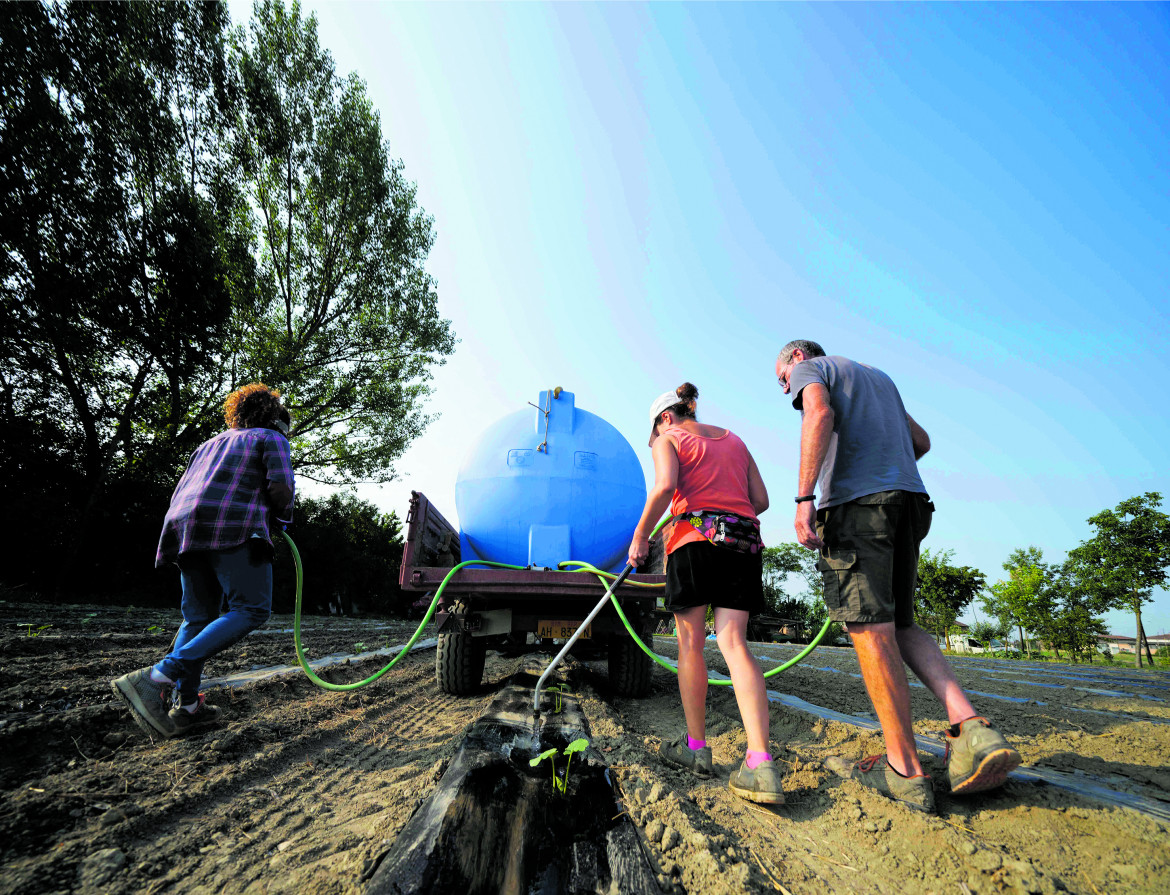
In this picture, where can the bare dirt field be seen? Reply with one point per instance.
(303, 790)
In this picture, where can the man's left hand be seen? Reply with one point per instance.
(806, 526)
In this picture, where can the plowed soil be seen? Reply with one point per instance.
(303, 790)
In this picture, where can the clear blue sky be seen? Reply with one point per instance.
(973, 197)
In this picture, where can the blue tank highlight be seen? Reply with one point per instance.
(547, 484)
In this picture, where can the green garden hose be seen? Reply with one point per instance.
(580, 567)
(326, 685)
(586, 567)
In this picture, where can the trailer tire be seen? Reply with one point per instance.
(459, 659)
(630, 669)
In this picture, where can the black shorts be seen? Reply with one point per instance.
(699, 573)
(870, 559)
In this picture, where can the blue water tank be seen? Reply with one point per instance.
(547, 484)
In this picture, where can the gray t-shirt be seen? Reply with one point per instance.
(870, 449)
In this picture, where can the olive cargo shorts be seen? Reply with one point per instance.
(870, 559)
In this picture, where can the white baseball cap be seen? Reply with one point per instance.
(663, 402)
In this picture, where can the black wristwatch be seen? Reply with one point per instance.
(806, 497)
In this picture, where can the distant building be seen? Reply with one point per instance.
(958, 640)
(1118, 643)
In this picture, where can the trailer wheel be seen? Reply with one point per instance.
(459, 659)
(630, 669)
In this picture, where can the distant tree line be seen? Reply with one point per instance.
(188, 207)
(1061, 606)
(1119, 568)
(351, 554)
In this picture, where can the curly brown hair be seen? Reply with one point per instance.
(255, 406)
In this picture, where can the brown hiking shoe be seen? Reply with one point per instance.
(759, 784)
(917, 792)
(188, 722)
(979, 758)
(678, 753)
(147, 701)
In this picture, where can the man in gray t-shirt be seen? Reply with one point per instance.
(870, 448)
(858, 444)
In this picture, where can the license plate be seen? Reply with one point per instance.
(560, 630)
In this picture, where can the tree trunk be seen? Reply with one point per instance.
(1023, 642)
(1142, 639)
(97, 483)
(1137, 645)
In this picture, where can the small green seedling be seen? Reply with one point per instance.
(557, 690)
(575, 746)
(547, 753)
(359, 647)
(89, 616)
(37, 631)
(154, 629)
(560, 784)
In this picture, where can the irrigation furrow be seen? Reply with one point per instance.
(333, 660)
(1161, 683)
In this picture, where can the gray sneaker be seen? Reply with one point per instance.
(678, 753)
(979, 758)
(875, 772)
(148, 702)
(188, 722)
(759, 784)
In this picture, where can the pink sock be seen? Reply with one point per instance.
(695, 745)
(755, 758)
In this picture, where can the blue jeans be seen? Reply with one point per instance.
(241, 576)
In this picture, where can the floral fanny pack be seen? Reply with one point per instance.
(725, 529)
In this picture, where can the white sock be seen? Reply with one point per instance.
(192, 706)
(159, 678)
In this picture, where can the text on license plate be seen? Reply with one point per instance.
(559, 629)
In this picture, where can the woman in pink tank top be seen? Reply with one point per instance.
(707, 477)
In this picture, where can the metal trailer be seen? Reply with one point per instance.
(484, 608)
(774, 629)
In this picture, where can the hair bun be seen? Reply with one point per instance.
(687, 392)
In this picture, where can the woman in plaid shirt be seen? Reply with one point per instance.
(217, 531)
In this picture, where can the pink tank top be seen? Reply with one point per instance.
(712, 475)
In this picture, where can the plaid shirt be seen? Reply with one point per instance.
(222, 499)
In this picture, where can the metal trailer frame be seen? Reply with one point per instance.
(482, 607)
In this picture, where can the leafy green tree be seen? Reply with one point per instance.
(116, 281)
(123, 246)
(1024, 600)
(1074, 623)
(349, 328)
(986, 631)
(779, 563)
(148, 157)
(1127, 558)
(944, 590)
